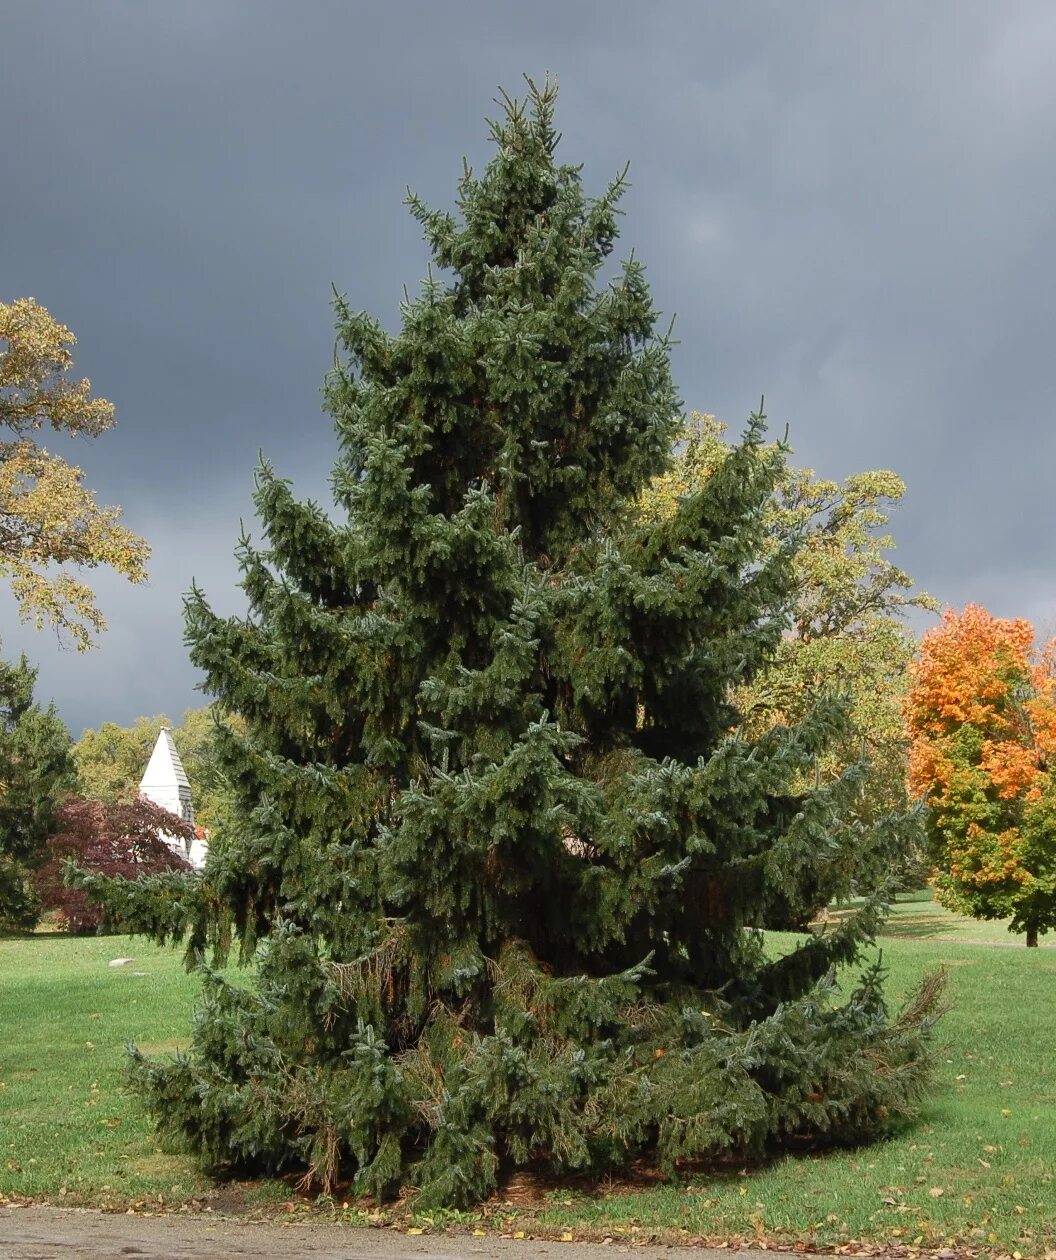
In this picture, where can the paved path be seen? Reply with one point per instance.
(46, 1233)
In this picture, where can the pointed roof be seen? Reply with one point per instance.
(164, 769)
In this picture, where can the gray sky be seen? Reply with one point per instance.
(848, 207)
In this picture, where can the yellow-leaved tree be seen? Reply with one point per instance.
(847, 631)
(50, 523)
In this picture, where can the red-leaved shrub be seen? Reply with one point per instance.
(107, 839)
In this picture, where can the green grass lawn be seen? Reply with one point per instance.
(914, 916)
(986, 1140)
(66, 1127)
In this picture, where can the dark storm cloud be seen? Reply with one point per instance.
(848, 207)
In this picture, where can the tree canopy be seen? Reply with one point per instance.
(847, 631)
(982, 715)
(35, 772)
(502, 847)
(49, 520)
(129, 839)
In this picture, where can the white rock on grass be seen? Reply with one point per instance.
(119, 962)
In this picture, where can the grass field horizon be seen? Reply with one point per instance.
(975, 1168)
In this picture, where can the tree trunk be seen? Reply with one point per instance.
(1032, 936)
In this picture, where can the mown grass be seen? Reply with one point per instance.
(986, 1138)
(67, 1128)
(915, 916)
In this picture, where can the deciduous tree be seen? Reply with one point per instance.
(982, 715)
(847, 630)
(501, 849)
(49, 520)
(126, 839)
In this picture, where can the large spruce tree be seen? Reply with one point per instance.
(501, 851)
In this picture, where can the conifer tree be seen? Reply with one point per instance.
(501, 851)
(36, 769)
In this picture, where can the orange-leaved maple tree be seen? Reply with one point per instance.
(981, 713)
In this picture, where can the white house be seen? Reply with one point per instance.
(165, 783)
